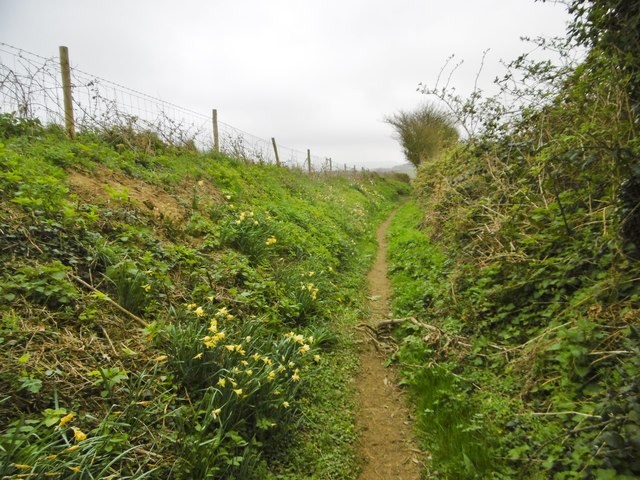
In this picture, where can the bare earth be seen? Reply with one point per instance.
(387, 447)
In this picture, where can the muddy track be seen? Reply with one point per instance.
(387, 447)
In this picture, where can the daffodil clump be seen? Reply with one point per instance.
(248, 375)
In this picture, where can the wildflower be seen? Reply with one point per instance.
(213, 325)
(237, 391)
(222, 312)
(244, 363)
(281, 368)
(230, 347)
(271, 376)
(296, 375)
(22, 466)
(235, 370)
(191, 306)
(79, 435)
(249, 372)
(211, 298)
(216, 413)
(267, 361)
(291, 364)
(146, 287)
(75, 469)
(256, 357)
(240, 350)
(271, 240)
(72, 448)
(316, 358)
(299, 339)
(160, 358)
(304, 349)
(285, 404)
(199, 312)
(221, 382)
(233, 382)
(66, 419)
(198, 356)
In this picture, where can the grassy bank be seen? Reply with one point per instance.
(169, 314)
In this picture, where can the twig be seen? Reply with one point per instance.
(108, 300)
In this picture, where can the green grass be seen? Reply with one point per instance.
(449, 421)
(243, 368)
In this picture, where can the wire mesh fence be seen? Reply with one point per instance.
(31, 87)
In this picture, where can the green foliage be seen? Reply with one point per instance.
(234, 281)
(13, 126)
(424, 133)
(524, 282)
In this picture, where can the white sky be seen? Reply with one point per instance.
(318, 74)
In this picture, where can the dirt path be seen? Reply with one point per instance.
(387, 447)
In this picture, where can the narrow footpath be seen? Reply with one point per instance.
(387, 447)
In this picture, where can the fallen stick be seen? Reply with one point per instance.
(106, 298)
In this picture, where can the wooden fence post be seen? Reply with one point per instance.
(275, 150)
(65, 71)
(216, 139)
(309, 160)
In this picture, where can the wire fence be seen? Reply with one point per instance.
(31, 87)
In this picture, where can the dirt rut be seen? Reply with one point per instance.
(387, 447)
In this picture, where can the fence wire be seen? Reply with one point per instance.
(31, 87)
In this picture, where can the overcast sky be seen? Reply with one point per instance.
(318, 74)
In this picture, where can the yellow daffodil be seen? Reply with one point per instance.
(271, 240)
(72, 448)
(51, 457)
(191, 306)
(199, 312)
(198, 356)
(244, 363)
(296, 375)
(316, 358)
(256, 357)
(304, 349)
(216, 413)
(221, 382)
(249, 372)
(271, 376)
(285, 404)
(79, 435)
(66, 419)
(237, 391)
(146, 287)
(75, 469)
